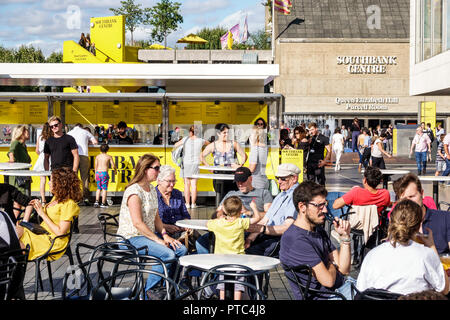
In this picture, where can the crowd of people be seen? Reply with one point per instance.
(250, 219)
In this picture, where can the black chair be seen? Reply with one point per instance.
(13, 288)
(48, 255)
(374, 294)
(91, 270)
(130, 285)
(305, 289)
(109, 224)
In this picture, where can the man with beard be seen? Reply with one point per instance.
(306, 242)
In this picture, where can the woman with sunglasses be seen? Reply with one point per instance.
(139, 220)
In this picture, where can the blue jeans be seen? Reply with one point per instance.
(447, 168)
(421, 160)
(159, 251)
(345, 289)
(202, 244)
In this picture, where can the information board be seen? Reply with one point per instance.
(294, 156)
(185, 112)
(81, 112)
(428, 113)
(11, 113)
(35, 112)
(144, 112)
(108, 112)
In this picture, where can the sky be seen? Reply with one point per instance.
(47, 24)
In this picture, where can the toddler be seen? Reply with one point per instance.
(229, 232)
(101, 166)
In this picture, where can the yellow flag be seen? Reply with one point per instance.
(230, 40)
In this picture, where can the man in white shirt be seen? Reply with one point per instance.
(83, 137)
(447, 155)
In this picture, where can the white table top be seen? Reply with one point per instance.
(218, 168)
(214, 176)
(394, 171)
(197, 224)
(434, 178)
(25, 173)
(208, 261)
(14, 165)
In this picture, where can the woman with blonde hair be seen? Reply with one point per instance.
(57, 215)
(18, 153)
(39, 165)
(139, 219)
(408, 261)
(257, 158)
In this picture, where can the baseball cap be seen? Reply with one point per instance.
(241, 174)
(287, 169)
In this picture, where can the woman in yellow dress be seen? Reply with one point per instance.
(57, 215)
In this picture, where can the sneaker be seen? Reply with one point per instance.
(96, 204)
(104, 205)
(193, 206)
(188, 205)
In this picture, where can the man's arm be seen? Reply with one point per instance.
(46, 161)
(446, 151)
(339, 203)
(76, 159)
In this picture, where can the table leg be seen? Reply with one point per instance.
(229, 288)
(385, 181)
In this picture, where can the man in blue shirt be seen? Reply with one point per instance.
(307, 243)
(410, 187)
(265, 235)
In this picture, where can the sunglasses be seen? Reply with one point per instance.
(319, 206)
(54, 125)
(156, 168)
(282, 178)
(171, 181)
(259, 124)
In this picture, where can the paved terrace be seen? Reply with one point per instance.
(90, 232)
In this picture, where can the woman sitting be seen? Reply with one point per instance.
(408, 262)
(57, 216)
(170, 202)
(139, 220)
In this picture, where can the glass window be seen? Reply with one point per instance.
(437, 27)
(447, 19)
(427, 29)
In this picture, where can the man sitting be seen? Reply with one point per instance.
(410, 187)
(247, 194)
(306, 242)
(266, 234)
(367, 195)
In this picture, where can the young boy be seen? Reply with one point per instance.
(229, 232)
(440, 156)
(101, 166)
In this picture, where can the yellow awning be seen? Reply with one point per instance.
(157, 46)
(192, 38)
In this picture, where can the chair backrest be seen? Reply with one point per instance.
(19, 258)
(306, 292)
(7, 270)
(129, 285)
(331, 213)
(109, 225)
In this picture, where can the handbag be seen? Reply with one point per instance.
(178, 153)
(33, 227)
(22, 182)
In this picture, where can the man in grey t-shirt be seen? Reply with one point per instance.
(247, 193)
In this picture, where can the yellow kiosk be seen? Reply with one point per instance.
(148, 115)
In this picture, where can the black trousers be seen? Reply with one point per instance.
(313, 173)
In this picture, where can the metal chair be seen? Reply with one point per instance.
(374, 294)
(130, 285)
(307, 293)
(107, 222)
(48, 256)
(7, 270)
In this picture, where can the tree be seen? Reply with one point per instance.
(212, 35)
(164, 17)
(133, 15)
(261, 40)
(55, 57)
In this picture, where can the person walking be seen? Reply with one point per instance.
(421, 144)
(39, 165)
(356, 130)
(258, 157)
(82, 138)
(337, 143)
(378, 152)
(315, 164)
(192, 148)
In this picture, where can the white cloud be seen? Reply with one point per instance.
(202, 7)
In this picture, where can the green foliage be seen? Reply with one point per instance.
(133, 15)
(55, 57)
(164, 17)
(212, 35)
(260, 40)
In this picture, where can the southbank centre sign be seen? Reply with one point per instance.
(367, 64)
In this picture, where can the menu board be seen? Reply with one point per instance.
(294, 156)
(144, 112)
(185, 112)
(35, 112)
(81, 112)
(248, 112)
(11, 113)
(108, 112)
(216, 113)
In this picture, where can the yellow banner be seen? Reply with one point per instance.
(11, 113)
(428, 113)
(294, 156)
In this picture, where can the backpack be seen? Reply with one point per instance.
(431, 135)
(178, 153)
